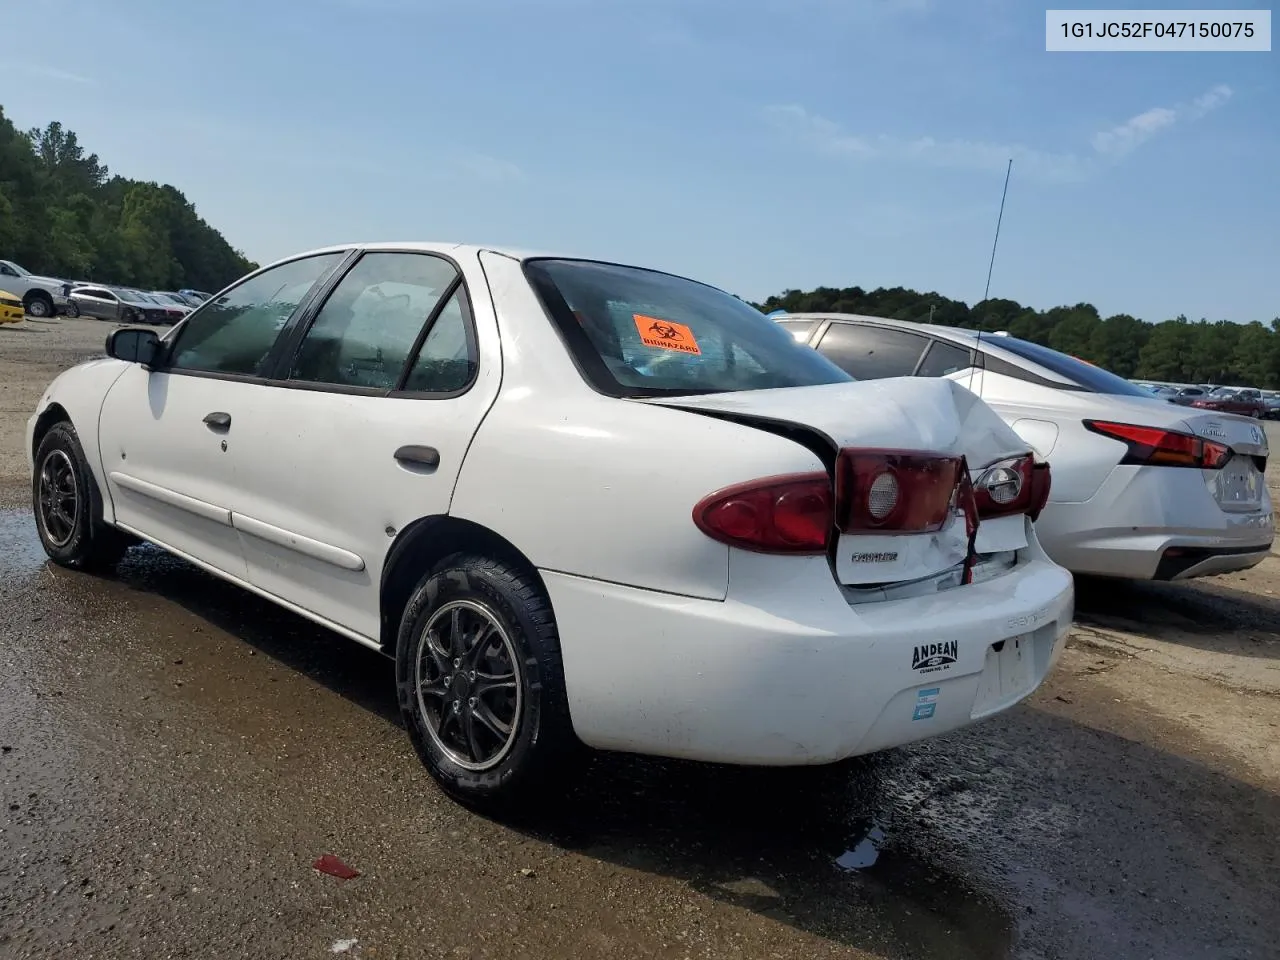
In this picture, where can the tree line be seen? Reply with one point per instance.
(1178, 350)
(63, 215)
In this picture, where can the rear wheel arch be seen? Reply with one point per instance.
(419, 547)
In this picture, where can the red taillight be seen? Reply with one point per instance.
(891, 491)
(789, 514)
(1016, 485)
(1153, 446)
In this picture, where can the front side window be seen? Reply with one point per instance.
(7, 270)
(872, 353)
(365, 331)
(234, 333)
(637, 332)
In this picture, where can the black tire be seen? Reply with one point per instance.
(73, 536)
(127, 315)
(73, 311)
(40, 306)
(541, 745)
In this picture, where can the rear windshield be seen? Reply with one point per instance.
(636, 332)
(1092, 378)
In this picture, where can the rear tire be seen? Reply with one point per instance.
(68, 505)
(481, 684)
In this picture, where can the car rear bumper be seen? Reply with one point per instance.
(800, 676)
(1141, 517)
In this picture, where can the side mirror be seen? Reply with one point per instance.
(133, 345)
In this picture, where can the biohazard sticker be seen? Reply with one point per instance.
(665, 334)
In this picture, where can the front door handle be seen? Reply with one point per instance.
(414, 456)
(219, 422)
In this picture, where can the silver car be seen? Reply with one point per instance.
(1142, 489)
(104, 303)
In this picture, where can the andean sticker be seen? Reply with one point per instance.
(931, 657)
(665, 334)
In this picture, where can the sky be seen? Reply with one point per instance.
(758, 145)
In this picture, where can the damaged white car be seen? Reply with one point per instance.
(578, 502)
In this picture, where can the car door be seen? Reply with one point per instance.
(364, 430)
(870, 352)
(92, 302)
(166, 432)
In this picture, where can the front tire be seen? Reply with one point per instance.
(68, 506)
(481, 684)
(40, 306)
(73, 311)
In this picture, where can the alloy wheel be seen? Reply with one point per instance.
(59, 498)
(467, 678)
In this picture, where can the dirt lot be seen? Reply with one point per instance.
(176, 753)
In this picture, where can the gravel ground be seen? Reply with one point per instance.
(174, 754)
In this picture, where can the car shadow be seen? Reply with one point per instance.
(1207, 616)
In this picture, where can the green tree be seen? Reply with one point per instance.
(61, 214)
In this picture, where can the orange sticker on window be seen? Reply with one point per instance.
(665, 334)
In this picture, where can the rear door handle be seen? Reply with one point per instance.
(218, 421)
(413, 455)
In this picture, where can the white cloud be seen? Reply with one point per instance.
(1128, 136)
(1134, 132)
(47, 72)
(826, 136)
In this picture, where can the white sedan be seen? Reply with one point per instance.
(578, 503)
(1142, 488)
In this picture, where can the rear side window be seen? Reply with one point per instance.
(234, 333)
(800, 329)
(1092, 378)
(872, 353)
(447, 361)
(944, 358)
(364, 333)
(636, 332)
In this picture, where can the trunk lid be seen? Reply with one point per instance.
(920, 414)
(1240, 484)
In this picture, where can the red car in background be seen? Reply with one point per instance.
(1241, 400)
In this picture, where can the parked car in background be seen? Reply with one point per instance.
(1241, 400)
(40, 296)
(1142, 489)
(198, 295)
(105, 303)
(168, 296)
(1185, 396)
(11, 309)
(173, 312)
(1271, 404)
(797, 568)
(1160, 390)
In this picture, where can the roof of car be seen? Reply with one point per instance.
(934, 328)
(429, 246)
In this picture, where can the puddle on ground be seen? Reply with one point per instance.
(865, 851)
(20, 550)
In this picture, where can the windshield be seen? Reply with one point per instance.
(1092, 378)
(636, 332)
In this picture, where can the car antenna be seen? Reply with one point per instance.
(992, 265)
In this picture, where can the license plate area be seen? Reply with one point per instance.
(1008, 674)
(1238, 484)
